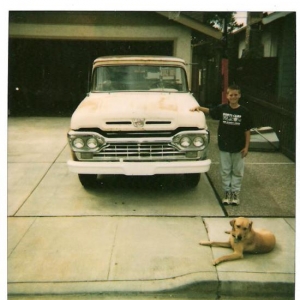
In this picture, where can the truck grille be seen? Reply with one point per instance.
(143, 151)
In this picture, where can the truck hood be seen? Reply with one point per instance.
(137, 111)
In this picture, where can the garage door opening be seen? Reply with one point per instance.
(50, 77)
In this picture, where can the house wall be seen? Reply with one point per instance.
(241, 45)
(278, 40)
(270, 43)
(51, 53)
(287, 61)
(268, 80)
(117, 26)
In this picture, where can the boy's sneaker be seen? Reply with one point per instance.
(235, 198)
(227, 198)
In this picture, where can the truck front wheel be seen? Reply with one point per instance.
(88, 180)
(192, 180)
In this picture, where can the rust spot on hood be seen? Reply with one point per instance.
(167, 105)
(88, 103)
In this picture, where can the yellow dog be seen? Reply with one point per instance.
(243, 238)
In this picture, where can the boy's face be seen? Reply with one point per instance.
(233, 96)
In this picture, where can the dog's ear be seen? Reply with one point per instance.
(232, 222)
(250, 225)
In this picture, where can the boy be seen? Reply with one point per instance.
(233, 141)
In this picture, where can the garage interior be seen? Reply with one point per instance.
(49, 77)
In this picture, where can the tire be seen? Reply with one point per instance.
(88, 180)
(192, 180)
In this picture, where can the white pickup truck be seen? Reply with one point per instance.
(136, 120)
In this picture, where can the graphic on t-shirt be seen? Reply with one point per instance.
(232, 119)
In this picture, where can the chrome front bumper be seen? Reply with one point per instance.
(139, 168)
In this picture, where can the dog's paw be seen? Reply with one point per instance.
(215, 262)
(205, 243)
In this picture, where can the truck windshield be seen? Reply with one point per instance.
(139, 78)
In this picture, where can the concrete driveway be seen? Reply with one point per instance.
(127, 235)
(39, 183)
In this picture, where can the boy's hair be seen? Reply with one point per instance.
(233, 87)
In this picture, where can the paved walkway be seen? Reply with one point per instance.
(50, 253)
(59, 255)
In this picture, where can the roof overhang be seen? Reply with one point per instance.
(274, 16)
(194, 25)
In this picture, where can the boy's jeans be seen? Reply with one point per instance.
(232, 171)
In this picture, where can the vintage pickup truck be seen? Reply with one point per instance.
(136, 120)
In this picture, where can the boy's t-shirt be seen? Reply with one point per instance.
(232, 126)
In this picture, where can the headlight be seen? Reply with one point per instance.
(92, 143)
(191, 141)
(78, 143)
(198, 141)
(86, 142)
(185, 141)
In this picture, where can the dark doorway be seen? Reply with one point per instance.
(50, 77)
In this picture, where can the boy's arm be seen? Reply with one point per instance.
(200, 108)
(247, 143)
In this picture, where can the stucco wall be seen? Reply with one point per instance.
(180, 35)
